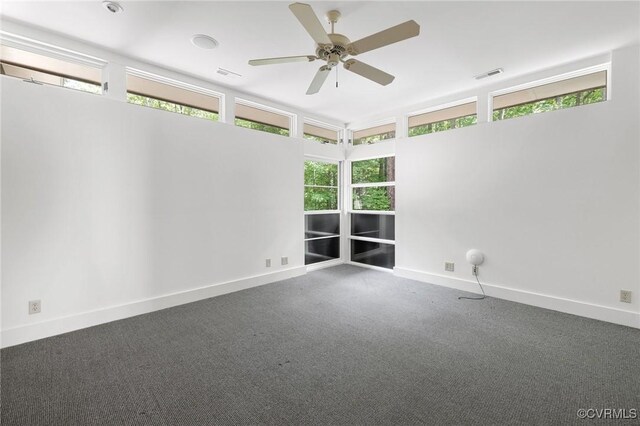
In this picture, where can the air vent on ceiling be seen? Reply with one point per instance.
(223, 71)
(489, 74)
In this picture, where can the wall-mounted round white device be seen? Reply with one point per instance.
(475, 257)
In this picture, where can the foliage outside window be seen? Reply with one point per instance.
(321, 186)
(320, 134)
(373, 184)
(261, 118)
(254, 125)
(374, 134)
(568, 93)
(569, 100)
(443, 119)
(171, 96)
(170, 106)
(372, 234)
(322, 230)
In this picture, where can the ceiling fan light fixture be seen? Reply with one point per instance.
(204, 41)
(112, 6)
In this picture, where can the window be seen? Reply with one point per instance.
(443, 119)
(255, 118)
(374, 134)
(320, 134)
(322, 237)
(322, 215)
(372, 216)
(48, 70)
(171, 96)
(571, 92)
(320, 186)
(373, 184)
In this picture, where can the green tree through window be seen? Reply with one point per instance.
(320, 186)
(439, 126)
(376, 170)
(569, 100)
(172, 107)
(241, 122)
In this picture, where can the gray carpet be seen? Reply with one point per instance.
(343, 345)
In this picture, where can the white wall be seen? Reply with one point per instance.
(551, 199)
(105, 204)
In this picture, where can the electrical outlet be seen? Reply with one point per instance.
(625, 296)
(285, 261)
(267, 263)
(474, 270)
(35, 307)
(449, 266)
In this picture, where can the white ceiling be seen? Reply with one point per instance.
(458, 40)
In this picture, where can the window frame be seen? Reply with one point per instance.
(371, 125)
(46, 50)
(339, 130)
(339, 187)
(350, 211)
(606, 66)
(290, 115)
(339, 212)
(156, 78)
(440, 107)
(351, 186)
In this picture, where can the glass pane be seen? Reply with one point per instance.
(374, 198)
(261, 127)
(320, 174)
(146, 87)
(46, 78)
(320, 198)
(551, 104)
(439, 126)
(320, 134)
(373, 226)
(171, 107)
(319, 139)
(368, 140)
(376, 254)
(374, 170)
(321, 225)
(321, 250)
(374, 134)
(257, 115)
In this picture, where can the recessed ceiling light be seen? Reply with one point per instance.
(112, 6)
(204, 41)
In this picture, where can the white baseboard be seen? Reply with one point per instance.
(324, 265)
(40, 330)
(589, 310)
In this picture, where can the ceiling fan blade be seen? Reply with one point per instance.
(310, 22)
(318, 80)
(384, 38)
(367, 71)
(282, 60)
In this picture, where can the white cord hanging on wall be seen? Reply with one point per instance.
(475, 257)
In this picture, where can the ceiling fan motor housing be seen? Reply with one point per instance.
(335, 51)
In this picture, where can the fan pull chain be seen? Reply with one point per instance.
(336, 77)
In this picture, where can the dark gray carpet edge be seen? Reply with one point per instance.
(343, 345)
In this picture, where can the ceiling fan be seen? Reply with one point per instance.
(335, 48)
